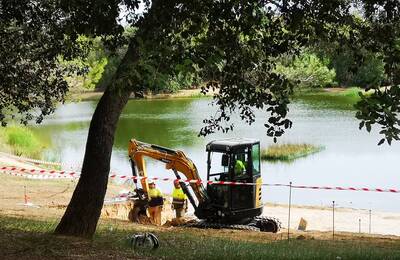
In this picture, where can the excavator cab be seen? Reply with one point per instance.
(234, 160)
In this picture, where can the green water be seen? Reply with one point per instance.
(351, 157)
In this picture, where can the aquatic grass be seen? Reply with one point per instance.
(21, 141)
(288, 152)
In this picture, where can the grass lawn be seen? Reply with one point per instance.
(27, 238)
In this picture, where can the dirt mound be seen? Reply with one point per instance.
(176, 222)
(124, 211)
(117, 210)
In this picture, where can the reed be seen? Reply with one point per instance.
(288, 152)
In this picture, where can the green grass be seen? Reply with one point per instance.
(23, 237)
(20, 141)
(288, 152)
(342, 99)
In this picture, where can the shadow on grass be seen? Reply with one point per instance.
(23, 238)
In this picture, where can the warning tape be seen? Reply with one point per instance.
(39, 171)
(33, 176)
(48, 174)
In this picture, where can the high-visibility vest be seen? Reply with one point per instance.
(178, 194)
(239, 167)
(154, 193)
(156, 197)
(178, 197)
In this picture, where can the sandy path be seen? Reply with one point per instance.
(346, 219)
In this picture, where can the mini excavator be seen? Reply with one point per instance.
(216, 205)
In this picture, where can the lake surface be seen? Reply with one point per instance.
(351, 157)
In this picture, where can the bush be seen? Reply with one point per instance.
(370, 72)
(308, 71)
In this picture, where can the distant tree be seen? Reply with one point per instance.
(308, 71)
(351, 70)
(231, 45)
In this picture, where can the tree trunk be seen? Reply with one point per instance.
(83, 212)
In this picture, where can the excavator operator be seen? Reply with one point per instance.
(239, 167)
(179, 200)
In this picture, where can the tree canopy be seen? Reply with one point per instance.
(229, 45)
(232, 46)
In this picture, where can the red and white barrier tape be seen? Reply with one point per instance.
(42, 172)
(35, 176)
(344, 188)
(65, 174)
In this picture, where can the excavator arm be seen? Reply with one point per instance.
(174, 160)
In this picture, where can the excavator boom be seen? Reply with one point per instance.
(174, 160)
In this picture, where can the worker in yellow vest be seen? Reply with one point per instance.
(240, 168)
(155, 203)
(179, 200)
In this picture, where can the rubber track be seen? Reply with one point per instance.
(204, 224)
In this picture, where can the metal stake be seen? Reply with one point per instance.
(25, 196)
(290, 204)
(369, 229)
(333, 220)
(359, 225)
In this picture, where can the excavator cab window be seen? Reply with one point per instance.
(255, 156)
(219, 166)
(218, 171)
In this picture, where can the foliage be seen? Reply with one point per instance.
(95, 73)
(381, 35)
(33, 35)
(21, 141)
(99, 64)
(288, 152)
(29, 45)
(370, 72)
(308, 71)
(209, 46)
(381, 107)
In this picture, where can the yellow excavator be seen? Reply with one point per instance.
(217, 206)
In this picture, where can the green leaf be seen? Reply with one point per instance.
(368, 126)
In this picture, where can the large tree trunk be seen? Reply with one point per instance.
(83, 211)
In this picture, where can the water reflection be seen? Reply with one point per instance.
(160, 122)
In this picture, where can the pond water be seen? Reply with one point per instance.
(351, 157)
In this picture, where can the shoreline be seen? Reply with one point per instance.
(194, 93)
(183, 93)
